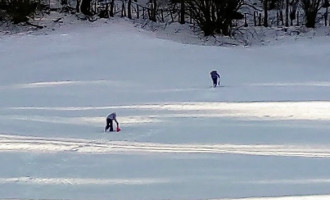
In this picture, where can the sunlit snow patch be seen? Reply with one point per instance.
(9, 143)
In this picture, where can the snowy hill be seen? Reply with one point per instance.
(264, 134)
(168, 30)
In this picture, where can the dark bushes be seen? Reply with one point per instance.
(18, 10)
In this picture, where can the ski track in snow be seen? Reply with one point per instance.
(305, 110)
(246, 110)
(10, 143)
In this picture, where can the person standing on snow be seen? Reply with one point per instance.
(110, 118)
(215, 76)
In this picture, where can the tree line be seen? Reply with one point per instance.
(212, 16)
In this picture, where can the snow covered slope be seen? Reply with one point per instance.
(263, 134)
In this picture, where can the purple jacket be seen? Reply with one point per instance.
(214, 74)
(113, 116)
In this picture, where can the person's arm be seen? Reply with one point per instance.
(116, 122)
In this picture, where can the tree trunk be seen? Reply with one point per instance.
(153, 11)
(123, 9)
(311, 8)
(111, 8)
(266, 13)
(78, 6)
(287, 13)
(129, 10)
(86, 7)
(326, 16)
(182, 21)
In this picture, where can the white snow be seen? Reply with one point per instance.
(264, 134)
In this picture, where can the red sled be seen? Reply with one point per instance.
(118, 129)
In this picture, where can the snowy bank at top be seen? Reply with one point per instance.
(182, 33)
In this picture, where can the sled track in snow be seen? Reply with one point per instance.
(11, 143)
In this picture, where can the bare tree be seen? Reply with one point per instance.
(19, 10)
(215, 16)
(85, 7)
(311, 8)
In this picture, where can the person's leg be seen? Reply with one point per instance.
(111, 125)
(214, 82)
(108, 125)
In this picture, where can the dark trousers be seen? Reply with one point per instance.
(109, 125)
(215, 80)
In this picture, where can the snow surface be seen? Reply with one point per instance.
(264, 134)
